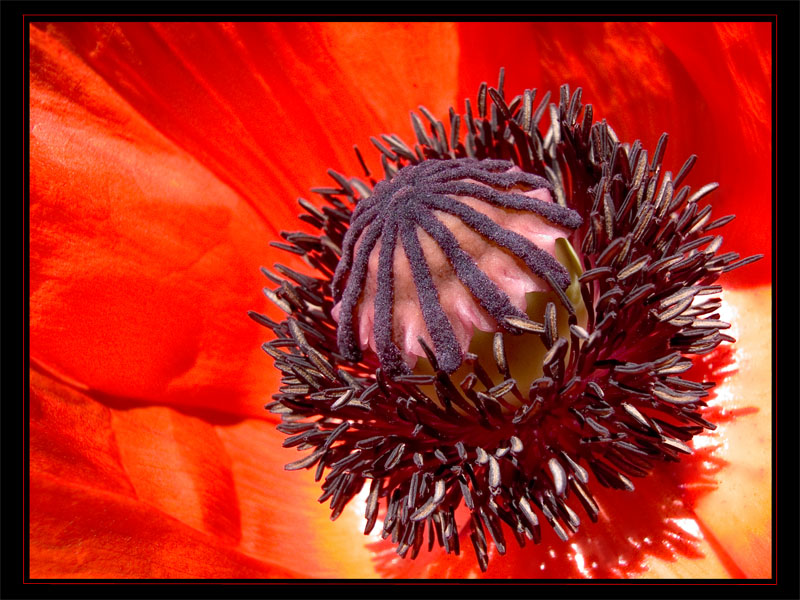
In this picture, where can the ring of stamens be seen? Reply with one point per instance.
(611, 402)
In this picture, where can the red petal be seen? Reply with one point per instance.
(142, 264)
(89, 533)
(108, 485)
(87, 517)
(730, 65)
(71, 438)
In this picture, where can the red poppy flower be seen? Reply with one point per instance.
(165, 157)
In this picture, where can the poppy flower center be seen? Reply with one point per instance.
(450, 241)
(479, 233)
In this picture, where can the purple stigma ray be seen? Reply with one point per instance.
(540, 262)
(345, 335)
(549, 210)
(389, 354)
(446, 348)
(497, 176)
(399, 205)
(357, 226)
(491, 297)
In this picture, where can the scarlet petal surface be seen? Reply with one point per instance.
(85, 533)
(736, 59)
(71, 438)
(93, 513)
(178, 465)
(142, 263)
(152, 492)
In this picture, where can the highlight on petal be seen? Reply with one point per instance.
(281, 518)
(738, 513)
